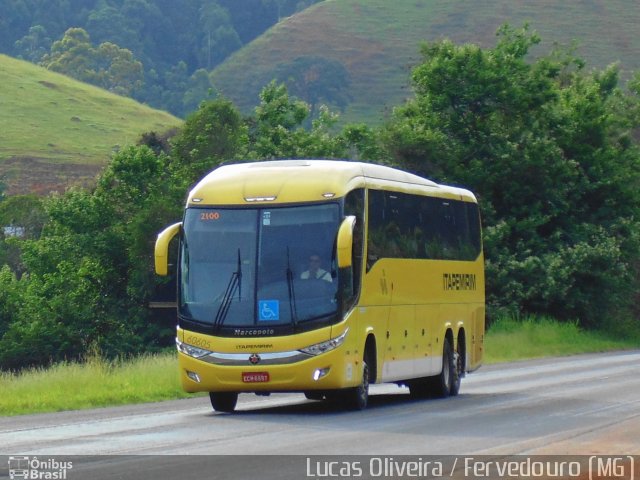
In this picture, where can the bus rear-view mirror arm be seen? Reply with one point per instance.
(161, 252)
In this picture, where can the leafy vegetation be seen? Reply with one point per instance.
(98, 382)
(547, 146)
(108, 66)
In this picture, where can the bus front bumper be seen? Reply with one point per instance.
(264, 372)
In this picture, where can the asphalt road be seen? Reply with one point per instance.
(587, 404)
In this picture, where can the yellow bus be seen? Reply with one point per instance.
(321, 277)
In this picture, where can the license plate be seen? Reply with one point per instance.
(255, 377)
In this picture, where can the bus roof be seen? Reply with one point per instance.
(293, 181)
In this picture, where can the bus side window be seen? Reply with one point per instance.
(413, 226)
(354, 205)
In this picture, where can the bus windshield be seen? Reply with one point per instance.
(258, 268)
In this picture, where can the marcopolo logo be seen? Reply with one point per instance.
(34, 468)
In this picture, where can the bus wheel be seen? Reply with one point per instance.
(357, 398)
(458, 368)
(312, 395)
(447, 378)
(223, 401)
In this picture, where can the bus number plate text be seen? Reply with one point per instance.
(255, 377)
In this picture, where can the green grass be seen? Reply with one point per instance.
(150, 378)
(510, 340)
(49, 118)
(378, 41)
(94, 383)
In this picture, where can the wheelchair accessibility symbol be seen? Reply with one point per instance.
(268, 310)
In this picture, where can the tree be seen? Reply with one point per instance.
(117, 70)
(541, 143)
(24, 212)
(316, 80)
(173, 85)
(107, 66)
(122, 25)
(73, 55)
(89, 276)
(35, 45)
(15, 19)
(218, 37)
(278, 121)
(199, 89)
(278, 130)
(211, 135)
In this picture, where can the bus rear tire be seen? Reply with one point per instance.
(446, 383)
(448, 378)
(458, 370)
(223, 401)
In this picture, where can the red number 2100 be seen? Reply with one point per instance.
(209, 216)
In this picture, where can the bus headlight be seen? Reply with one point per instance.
(190, 350)
(324, 347)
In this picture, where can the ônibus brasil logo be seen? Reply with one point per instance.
(33, 468)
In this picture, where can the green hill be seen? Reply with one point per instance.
(377, 43)
(55, 131)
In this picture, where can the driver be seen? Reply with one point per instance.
(314, 271)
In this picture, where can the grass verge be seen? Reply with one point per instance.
(509, 340)
(99, 383)
(94, 383)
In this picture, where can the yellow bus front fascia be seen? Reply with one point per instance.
(340, 365)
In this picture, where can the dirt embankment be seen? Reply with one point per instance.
(23, 175)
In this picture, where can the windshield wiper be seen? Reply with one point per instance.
(235, 283)
(292, 293)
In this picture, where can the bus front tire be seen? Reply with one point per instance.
(357, 398)
(313, 395)
(223, 401)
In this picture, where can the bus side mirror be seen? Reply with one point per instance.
(162, 248)
(345, 242)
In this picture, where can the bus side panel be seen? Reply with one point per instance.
(475, 338)
(416, 302)
(475, 334)
(426, 324)
(398, 358)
